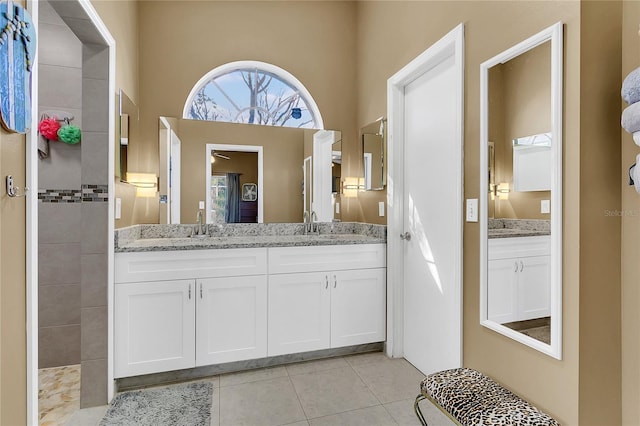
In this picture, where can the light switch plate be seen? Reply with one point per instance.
(472, 210)
(201, 205)
(381, 208)
(545, 206)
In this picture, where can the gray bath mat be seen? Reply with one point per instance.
(186, 404)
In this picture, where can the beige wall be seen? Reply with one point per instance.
(600, 189)
(282, 156)
(314, 41)
(630, 212)
(13, 353)
(523, 87)
(390, 34)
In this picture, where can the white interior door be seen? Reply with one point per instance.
(427, 104)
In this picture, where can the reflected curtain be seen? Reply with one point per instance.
(232, 213)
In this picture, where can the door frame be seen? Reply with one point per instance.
(450, 44)
(32, 161)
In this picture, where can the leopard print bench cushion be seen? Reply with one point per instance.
(474, 399)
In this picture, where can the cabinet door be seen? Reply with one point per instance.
(299, 312)
(154, 327)
(502, 290)
(358, 306)
(231, 319)
(534, 288)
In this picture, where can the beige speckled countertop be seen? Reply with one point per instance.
(511, 228)
(144, 238)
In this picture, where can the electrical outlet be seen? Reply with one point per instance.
(118, 212)
(472, 210)
(545, 206)
(381, 208)
(337, 208)
(201, 205)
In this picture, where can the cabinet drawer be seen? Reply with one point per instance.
(284, 260)
(508, 248)
(190, 264)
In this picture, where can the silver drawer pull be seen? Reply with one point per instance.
(406, 236)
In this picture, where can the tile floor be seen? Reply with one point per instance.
(58, 394)
(368, 389)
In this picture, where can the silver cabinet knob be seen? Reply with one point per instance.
(406, 236)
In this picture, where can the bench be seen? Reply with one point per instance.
(470, 398)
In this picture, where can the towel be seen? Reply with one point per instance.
(631, 87)
(631, 118)
(636, 138)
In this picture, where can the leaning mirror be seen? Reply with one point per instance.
(521, 192)
(374, 155)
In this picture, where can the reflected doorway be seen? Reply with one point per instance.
(234, 184)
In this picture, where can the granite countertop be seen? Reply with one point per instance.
(143, 238)
(511, 228)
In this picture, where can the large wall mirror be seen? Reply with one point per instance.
(521, 192)
(270, 168)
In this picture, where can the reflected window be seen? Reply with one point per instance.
(218, 198)
(253, 92)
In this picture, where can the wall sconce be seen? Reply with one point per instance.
(146, 184)
(351, 186)
(501, 191)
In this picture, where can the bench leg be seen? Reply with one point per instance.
(416, 408)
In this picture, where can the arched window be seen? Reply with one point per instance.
(252, 92)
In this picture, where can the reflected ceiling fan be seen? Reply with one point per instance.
(215, 154)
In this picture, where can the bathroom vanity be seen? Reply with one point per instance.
(244, 292)
(518, 284)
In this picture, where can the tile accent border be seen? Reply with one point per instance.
(88, 193)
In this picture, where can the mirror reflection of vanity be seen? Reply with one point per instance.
(521, 192)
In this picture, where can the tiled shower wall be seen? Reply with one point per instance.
(73, 209)
(60, 89)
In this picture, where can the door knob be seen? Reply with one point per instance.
(406, 236)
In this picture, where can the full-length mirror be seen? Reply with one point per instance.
(374, 155)
(247, 173)
(521, 192)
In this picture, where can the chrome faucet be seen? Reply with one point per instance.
(201, 227)
(305, 220)
(313, 223)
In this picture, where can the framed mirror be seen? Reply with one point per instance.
(128, 126)
(521, 192)
(374, 155)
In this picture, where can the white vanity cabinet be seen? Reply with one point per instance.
(182, 309)
(519, 277)
(154, 327)
(341, 302)
(231, 319)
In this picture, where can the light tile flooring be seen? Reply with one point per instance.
(368, 389)
(58, 394)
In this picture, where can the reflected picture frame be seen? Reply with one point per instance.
(249, 192)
